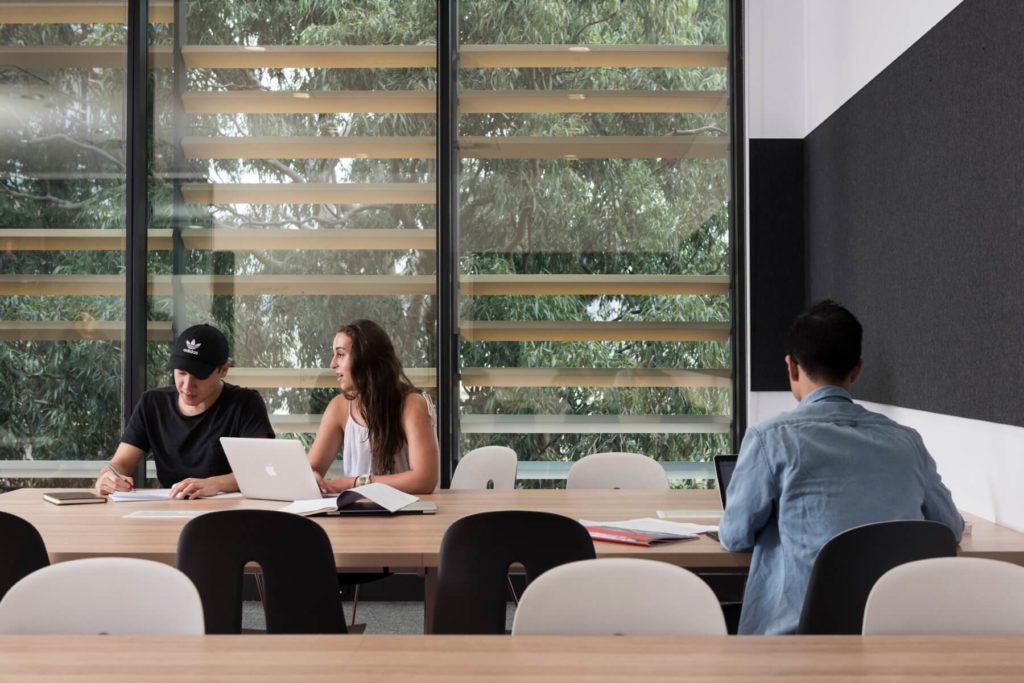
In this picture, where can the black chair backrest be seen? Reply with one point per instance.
(22, 551)
(300, 580)
(476, 552)
(848, 566)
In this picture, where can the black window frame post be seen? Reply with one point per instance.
(136, 213)
(447, 236)
(737, 221)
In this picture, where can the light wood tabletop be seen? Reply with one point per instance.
(524, 659)
(399, 542)
(412, 542)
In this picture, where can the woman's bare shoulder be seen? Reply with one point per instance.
(415, 403)
(337, 410)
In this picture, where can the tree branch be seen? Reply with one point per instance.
(710, 128)
(78, 143)
(62, 203)
(278, 166)
(576, 36)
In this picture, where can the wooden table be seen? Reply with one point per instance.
(407, 542)
(523, 659)
(412, 542)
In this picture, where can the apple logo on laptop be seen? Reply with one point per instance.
(271, 471)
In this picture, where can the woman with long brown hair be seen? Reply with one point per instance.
(382, 424)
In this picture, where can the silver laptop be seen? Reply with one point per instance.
(271, 469)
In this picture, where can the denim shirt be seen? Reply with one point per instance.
(804, 476)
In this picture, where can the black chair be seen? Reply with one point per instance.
(848, 566)
(22, 551)
(300, 581)
(476, 552)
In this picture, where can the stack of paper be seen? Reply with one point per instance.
(645, 531)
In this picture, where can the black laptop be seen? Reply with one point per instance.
(724, 465)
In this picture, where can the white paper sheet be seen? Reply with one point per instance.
(689, 514)
(386, 496)
(163, 514)
(139, 495)
(312, 506)
(389, 498)
(655, 526)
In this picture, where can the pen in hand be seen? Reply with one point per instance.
(126, 480)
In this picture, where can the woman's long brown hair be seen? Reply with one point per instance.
(381, 387)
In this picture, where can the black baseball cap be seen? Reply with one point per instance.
(199, 351)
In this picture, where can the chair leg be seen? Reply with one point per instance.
(353, 627)
(261, 589)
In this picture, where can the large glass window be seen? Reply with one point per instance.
(62, 221)
(293, 187)
(294, 173)
(594, 230)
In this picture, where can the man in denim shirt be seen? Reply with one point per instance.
(822, 468)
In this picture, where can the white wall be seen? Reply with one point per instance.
(849, 42)
(804, 59)
(774, 76)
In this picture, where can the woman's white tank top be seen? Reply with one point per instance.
(356, 458)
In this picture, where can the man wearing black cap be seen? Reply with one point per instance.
(181, 425)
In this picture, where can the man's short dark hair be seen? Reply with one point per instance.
(825, 341)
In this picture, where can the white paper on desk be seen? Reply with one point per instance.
(388, 497)
(164, 514)
(139, 495)
(689, 514)
(655, 526)
(313, 506)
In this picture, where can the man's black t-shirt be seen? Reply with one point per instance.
(189, 446)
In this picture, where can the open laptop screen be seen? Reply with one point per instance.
(724, 465)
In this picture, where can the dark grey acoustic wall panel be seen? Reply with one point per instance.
(776, 247)
(915, 218)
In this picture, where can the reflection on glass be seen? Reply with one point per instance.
(294, 176)
(62, 209)
(292, 189)
(594, 218)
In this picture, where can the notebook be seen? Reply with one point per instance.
(271, 469)
(724, 465)
(370, 499)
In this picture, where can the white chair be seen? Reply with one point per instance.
(948, 595)
(115, 595)
(486, 467)
(617, 471)
(618, 596)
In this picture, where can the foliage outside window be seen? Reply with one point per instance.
(290, 192)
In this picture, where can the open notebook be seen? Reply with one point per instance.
(373, 498)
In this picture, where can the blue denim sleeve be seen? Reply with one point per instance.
(938, 501)
(750, 498)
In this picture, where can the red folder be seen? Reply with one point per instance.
(614, 535)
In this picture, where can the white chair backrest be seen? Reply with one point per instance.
(618, 596)
(617, 471)
(948, 595)
(115, 595)
(487, 464)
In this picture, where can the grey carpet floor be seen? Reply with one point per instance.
(379, 617)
